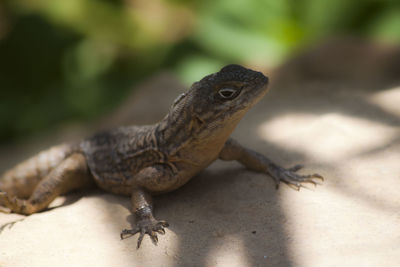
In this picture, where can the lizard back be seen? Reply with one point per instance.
(115, 156)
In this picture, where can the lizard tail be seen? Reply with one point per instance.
(21, 180)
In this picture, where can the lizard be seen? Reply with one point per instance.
(143, 161)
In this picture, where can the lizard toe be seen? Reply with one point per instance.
(5, 200)
(140, 239)
(162, 223)
(292, 179)
(146, 226)
(4, 207)
(161, 231)
(296, 168)
(129, 232)
(153, 237)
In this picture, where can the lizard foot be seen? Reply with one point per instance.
(9, 203)
(6, 203)
(148, 226)
(291, 178)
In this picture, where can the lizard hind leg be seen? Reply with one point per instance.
(21, 180)
(72, 173)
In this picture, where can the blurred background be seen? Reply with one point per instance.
(75, 60)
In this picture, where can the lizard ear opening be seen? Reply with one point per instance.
(228, 93)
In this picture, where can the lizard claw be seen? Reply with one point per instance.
(296, 168)
(291, 178)
(146, 226)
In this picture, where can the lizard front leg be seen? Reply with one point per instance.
(232, 150)
(142, 208)
(152, 179)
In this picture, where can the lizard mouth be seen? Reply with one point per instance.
(260, 89)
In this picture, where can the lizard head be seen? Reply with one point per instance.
(215, 104)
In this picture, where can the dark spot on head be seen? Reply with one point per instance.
(232, 68)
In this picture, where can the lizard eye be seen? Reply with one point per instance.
(228, 93)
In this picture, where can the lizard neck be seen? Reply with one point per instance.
(183, 131)
(174, 129)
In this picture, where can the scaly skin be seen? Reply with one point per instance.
(141, 161)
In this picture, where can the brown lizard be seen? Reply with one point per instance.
(141, 161)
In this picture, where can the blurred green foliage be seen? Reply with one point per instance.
(63, 60)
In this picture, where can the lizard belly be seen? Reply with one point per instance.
(113, 184)
(171, 183)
